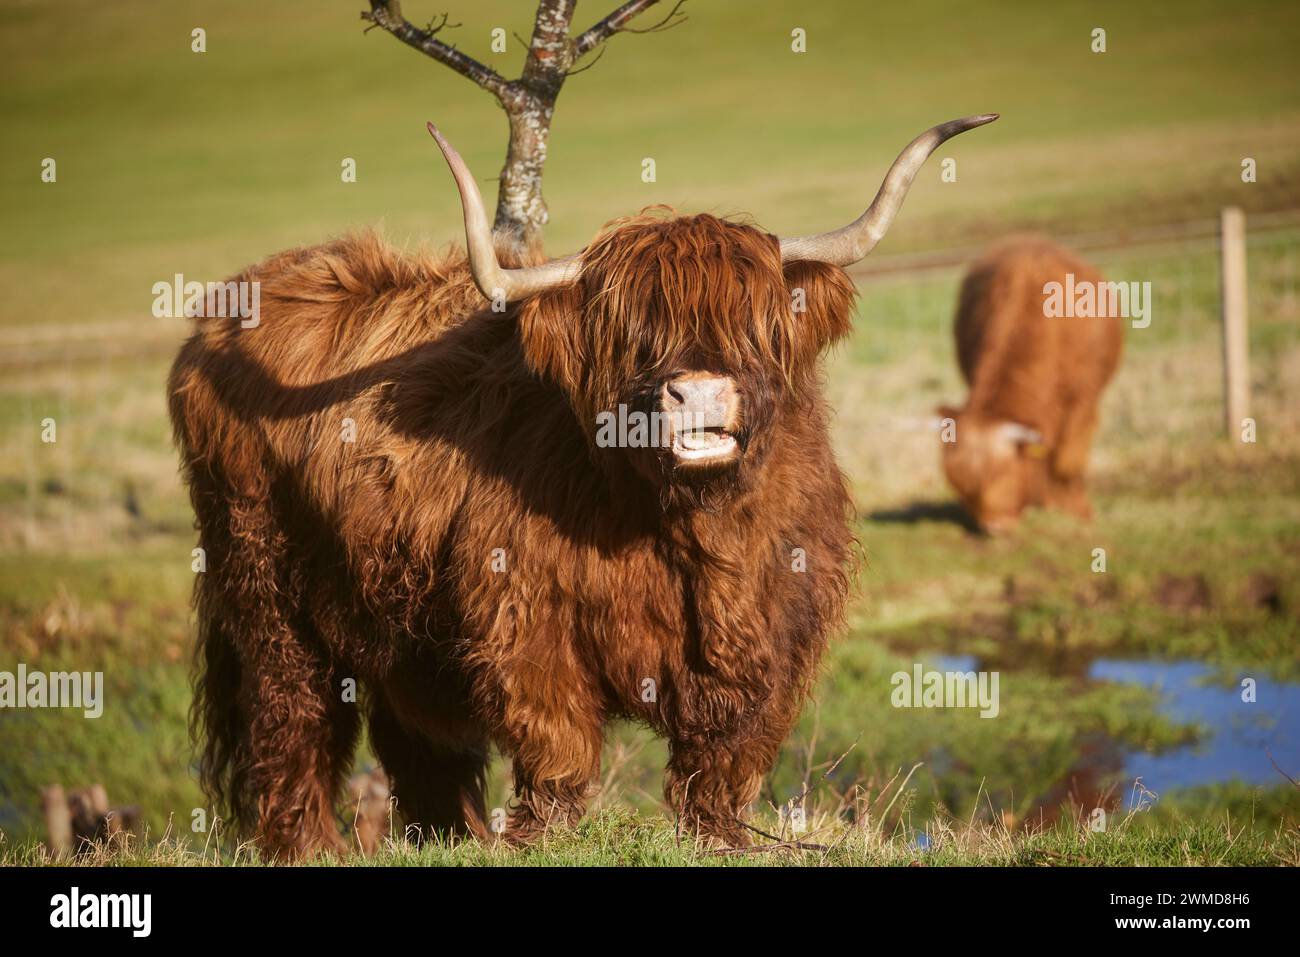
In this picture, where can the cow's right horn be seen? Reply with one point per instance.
(492, 280)
(844, 247)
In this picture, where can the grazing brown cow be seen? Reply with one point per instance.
(400, 485)
(1023, 436)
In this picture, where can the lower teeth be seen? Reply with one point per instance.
(701, 440)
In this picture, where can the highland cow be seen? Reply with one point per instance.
(397, 488)
(1024, 434)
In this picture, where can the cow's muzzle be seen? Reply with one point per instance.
(703, 412)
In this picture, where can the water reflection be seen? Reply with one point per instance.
(1236, 741)
(1239, 735)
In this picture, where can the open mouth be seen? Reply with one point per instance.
(704, 445)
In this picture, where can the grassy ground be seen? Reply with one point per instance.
(622, 838)
(173, 162)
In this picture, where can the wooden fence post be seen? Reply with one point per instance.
(1236, 359)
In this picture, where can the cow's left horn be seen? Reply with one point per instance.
(492, 280)
(843, 247)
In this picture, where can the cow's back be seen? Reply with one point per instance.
(335, 326)
(1020, 364)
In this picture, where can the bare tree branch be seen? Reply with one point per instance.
(388, 15)
(618, 20)
(529, 101)
(430, 28)
(583, 69)
(667, 23)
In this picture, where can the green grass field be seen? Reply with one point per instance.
(621, 838)
(170, 161)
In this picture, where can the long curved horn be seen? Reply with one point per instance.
(843, 247)
(492, 280)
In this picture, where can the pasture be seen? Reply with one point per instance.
(170, 161)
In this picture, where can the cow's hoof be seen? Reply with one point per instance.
(718, 837)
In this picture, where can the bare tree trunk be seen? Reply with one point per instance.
(529, 102)
(521, 210)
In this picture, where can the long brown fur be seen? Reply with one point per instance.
(474, 561)
(1045, 374)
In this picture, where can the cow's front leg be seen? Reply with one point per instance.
(555, 769)
(1067, 487)
(552, 729)
(713, 778)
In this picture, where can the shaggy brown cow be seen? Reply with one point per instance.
(397, 484)
(1023, 436)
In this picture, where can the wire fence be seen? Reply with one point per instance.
(104, 383)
